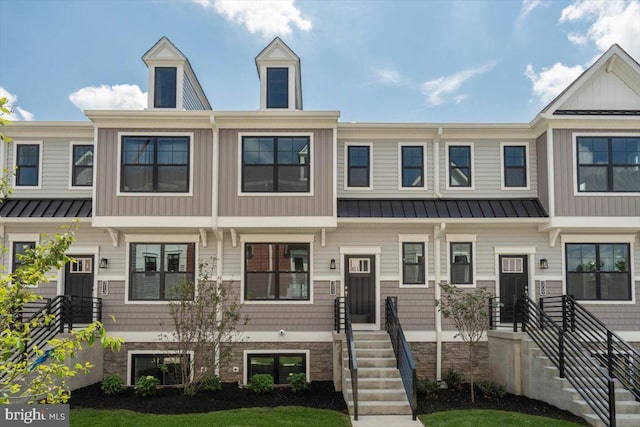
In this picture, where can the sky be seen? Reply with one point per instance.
(461, 61)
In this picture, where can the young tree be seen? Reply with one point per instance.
(205, 319)
(469, 313)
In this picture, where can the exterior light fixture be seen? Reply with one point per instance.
(544, 264)
(332, 264)
(104, 263)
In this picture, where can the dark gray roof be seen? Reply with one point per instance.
(596, 113)
(439, 208)
(46, 208)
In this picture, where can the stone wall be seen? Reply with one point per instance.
(455, 355)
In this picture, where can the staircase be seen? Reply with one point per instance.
(380, 388)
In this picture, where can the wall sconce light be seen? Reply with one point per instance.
(332, 264)
(104, 263)
(544, 264)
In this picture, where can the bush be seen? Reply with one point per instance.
(453, 379)
(211, 382)
(491, 389)
(426, 387)
(147, 386)
(112, 385)
(298, 382)
(261, 383)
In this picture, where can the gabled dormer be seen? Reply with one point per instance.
(279, 72)
(172, 83)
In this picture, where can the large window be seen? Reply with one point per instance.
(598, 271)
(276, 164)
(359, 166)
(412, 166)
(461, 263)
(277, 87)
(82, 166)
(413, 263)
(157, 270)
(158, 164)
(19, 250)
(514, 165)
(28, 165)
(164, 87)
(460, 166)
(276, 271)
(165, 367)
(608, 164)
(279, 366)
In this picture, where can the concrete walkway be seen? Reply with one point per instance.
(385, 421)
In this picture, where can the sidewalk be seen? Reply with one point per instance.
(385, 421)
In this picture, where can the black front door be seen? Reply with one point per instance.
(360, 288)
(514, 282)
(78, 280)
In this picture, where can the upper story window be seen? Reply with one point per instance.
(158, 164)
(82, 166)
(598, 271)
(277, 87)
(19, 250)
(276, 164)
(27, 165)
(359, 166)
(413, 267)
(460, 164)
(514, 166)
(608, 164)
(461, 263)
(412, 166)
(164, 87)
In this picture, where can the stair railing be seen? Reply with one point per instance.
(342, 320)
(404, 359)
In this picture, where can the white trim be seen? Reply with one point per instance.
(112, 277)
(346, 165)
(93, 251)
(574, 166)
(215, 171)
(527, 165)
(21, 237)
(424, 165)
(374, 251)
(550, 173)
(176, 63)
(160, 352)
(448, 168)
(360, 250)
(413, 238)
(277, 193)
(474, 221)
(335, 171)
(464, 238)
(597, 238)
(154, 194)
(242, 337)
(430, 336)
(93, 166)
(275, 221)
(161, 238)
(291, 65)
(593, 222)
(514, 250)
(14, 176)
(152, 221)
(629, 336)
(94, 198)
(277, 238)
(530, 253)
(275, 351)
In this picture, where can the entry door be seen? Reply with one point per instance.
(360, 288)
(514, 282)
(78, 281)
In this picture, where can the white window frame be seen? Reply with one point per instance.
(346, 165)
(424, 165)
(178, 65)
(530, 252)
(448, 168)
(463, 238)
(159, 352)
(309, 135)
(413, 238)
(527, 165)
(273, 351)
(80, 187)
(291, 83)
(21, 237)
(15, 165)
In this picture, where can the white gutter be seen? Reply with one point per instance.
(550, 174)
(436, 164)
(437, 231)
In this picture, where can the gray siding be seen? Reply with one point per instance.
(320, 204)
(190, 98)
(566, 203)
(543, 175)
(108, 203)
(132, 317)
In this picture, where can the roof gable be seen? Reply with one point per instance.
(163, 50)
(277, 50)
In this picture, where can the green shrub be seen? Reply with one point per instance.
(453, 379)
(491, 389)
(261, 383)
(426, 387)
(211, 382)
(298, 382)
(112, 385)
(147, 386)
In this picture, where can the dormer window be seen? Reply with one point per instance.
(277, 87)
(165, 84)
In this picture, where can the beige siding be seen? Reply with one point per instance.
(108, 203)
(543, 176)
(566, 203)
(320, 204)
(416, 306)
(132, 317)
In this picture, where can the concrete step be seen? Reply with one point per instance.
(374, 373)
(380, 344)
(376, 362)
(622, 407)
(381, 408)
(375, 352)
(377, 383)
(622, 420)
(620, 394)
(370, 335)
(378, 395)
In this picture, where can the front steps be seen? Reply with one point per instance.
(380, 388)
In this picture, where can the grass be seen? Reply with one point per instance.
(284, 416)
(489, 418)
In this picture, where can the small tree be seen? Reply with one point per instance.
(468, 310)
(204, 318)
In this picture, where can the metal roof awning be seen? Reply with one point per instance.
(45, 208)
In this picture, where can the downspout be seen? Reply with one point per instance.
(436, 164)
(219, 259)
(437, 231)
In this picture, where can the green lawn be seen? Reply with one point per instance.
(488, 418)
(285, 416)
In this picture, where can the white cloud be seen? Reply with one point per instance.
(443, 89)
(613, 21)
(388, 76)
(527, 7)
(104, 97)
(549, 82)
(16, 113)
(267, 17)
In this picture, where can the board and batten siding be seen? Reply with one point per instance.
(319, 204)
(108, 203)
(568, 204)
(543, 175)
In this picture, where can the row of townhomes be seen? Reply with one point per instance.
(295, 209)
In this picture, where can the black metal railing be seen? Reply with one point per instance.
(505, 311)
(404, 359)
(342, 322)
